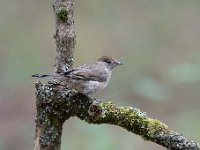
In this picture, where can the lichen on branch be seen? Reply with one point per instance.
(62, 14)
(65, 103)
(65, 34)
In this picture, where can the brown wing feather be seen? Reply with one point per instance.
(90, 76)
(88, 72)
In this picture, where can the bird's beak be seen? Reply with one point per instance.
(119, 63)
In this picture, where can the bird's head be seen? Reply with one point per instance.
(110, 61)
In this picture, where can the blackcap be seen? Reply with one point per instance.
(87, 78)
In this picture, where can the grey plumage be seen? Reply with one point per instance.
(88, 78)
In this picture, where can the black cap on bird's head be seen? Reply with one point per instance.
(110, 61)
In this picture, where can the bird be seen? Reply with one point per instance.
(88, 78)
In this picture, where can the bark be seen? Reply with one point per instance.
(48, 133)
(65, 34)
(55, 104)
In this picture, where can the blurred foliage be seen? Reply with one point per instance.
(184, 73)
(157, 40)
(188, 122)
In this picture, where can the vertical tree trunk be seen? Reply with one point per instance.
(65, 34)
(49, 120)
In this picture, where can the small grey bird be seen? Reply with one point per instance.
(88, 78)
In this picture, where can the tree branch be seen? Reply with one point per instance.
(59, 103)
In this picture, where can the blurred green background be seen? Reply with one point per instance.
(158, 41)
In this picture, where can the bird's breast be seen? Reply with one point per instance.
(91, 87)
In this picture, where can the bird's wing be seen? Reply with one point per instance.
(87, 72)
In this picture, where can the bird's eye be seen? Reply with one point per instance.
(109, 62)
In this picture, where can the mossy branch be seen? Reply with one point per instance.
(58, 103)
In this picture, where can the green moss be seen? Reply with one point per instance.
(62, 14)
(132, 119)
(55, 105)
(154, 126)
(52, 120)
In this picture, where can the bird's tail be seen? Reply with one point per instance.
(41, 75)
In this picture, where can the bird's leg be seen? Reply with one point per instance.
(97, 101)
(56, 82)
